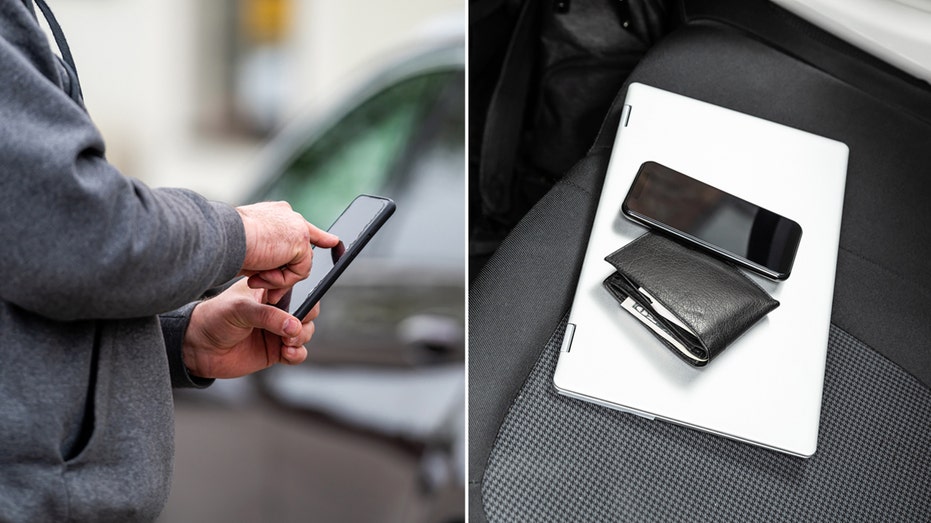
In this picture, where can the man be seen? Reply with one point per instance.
(89, 260)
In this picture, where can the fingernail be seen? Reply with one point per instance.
(292, 327)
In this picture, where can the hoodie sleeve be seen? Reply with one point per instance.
(78, 239)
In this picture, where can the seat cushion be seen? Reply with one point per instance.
(560, 459)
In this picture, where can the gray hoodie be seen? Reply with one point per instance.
(89, 259)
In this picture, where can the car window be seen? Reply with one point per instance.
(359, 153)
(429, 225)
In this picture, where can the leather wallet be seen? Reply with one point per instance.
(695, 304)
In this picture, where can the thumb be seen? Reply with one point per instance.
(272, 319)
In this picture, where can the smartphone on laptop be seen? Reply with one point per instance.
(357, 224)
(713, 220)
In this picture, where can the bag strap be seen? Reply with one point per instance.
(505, 116)
(74, 89)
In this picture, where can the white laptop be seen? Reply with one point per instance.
(764, 389)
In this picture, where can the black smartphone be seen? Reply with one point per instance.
(355, 227)
(713, 220)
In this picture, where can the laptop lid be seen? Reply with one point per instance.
(766, 388)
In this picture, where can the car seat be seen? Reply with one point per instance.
(535, 455)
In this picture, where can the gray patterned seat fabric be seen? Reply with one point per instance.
(536, 456)
(560, 459)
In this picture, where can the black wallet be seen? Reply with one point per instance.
(695, 304)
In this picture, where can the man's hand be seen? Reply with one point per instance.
(238, 332)
(278, 246)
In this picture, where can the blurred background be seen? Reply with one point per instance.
(313, 102)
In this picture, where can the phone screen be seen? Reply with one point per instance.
(354, 227)
(752, 236)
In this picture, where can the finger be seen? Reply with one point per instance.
(256, 282)
(280, 298)
(274, 294)
(320, 237)
(281, 277)
(276, 297)
(293, 355)
(307, 332)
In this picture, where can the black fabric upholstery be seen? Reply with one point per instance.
(511, 313)
(560, 459)
(883, 285)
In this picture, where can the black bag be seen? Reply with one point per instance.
(542, 77)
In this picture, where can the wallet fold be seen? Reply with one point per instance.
(696, 305)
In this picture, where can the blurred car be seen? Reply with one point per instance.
(371, 426)
(404, 140)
